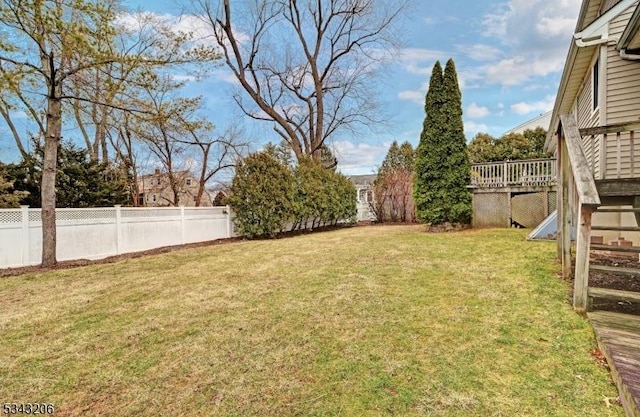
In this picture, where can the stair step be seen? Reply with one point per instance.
(611, 248)
(617, 228)
(618, 210)
(630, 272)
(616, 321)
(614, 294)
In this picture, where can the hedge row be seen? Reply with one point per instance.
(269, 197)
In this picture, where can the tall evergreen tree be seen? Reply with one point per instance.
(442, 164)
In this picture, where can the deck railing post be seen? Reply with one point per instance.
(581, 276)
(505, 175)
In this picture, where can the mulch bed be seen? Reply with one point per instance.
(612, 281)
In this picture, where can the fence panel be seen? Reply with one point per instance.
(101, 232)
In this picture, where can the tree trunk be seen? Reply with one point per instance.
(48, 186)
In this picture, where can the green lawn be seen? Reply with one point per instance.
(365, 321)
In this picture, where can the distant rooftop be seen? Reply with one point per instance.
(362, 179)
(542, 121)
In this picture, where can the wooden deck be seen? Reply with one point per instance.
(618, 337)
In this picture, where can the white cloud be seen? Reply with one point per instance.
(542, 106)
(420, 61)
(471, 128)
(535, 35)
(362, 158)
(480, 52)
(412, 95)
(477, 112)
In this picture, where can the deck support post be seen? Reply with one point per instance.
(565, 214)
(559, 199)
(581, 276)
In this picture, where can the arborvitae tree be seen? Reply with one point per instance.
(262, 195)
(407, 156)
(442, 164)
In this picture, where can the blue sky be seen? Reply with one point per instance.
(509, 56)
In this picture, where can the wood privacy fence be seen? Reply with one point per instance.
(526, 173)
(96, 233)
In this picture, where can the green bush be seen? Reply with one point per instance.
(267, 196)
(262, 196)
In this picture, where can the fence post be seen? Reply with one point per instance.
(118, 208)
(182, 226)
(229, 228)
(24, 210)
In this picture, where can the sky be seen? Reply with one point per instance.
(509, 56)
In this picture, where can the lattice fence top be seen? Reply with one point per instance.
(211, 211)
(150, 212)
(86, 214)
(34, 215)
(10, 216)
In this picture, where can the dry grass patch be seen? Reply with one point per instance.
(365, 321)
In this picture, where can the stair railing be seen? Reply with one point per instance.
(577, 199)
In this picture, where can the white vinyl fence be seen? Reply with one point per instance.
(97, 233)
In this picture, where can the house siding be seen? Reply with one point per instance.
(622, 105)
(587, 117)
(623, 92)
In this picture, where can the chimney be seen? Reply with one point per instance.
(157, 171)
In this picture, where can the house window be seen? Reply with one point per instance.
(153, 197)
(188, 181)
(596, 82)
(362, 196)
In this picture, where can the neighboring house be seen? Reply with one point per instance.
(595, 132)
(364, 190)
(155, 190)
(540, 121)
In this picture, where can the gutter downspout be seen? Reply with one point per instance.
(629, 57)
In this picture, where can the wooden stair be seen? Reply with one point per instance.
(618, 337)
(617, 333)
(616, 295)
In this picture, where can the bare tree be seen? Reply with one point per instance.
(217, 154)
(182, 140)
(50, 43)
(306, 66)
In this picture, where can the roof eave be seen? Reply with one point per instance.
(631, 31)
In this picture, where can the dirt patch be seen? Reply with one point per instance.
(447, 227)
(612, 281)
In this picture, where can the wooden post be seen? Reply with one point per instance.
(546, 203)
(510, 208)
(565, 215)
(559, 197)
(618, 156)
(581, 277)
(603, 156)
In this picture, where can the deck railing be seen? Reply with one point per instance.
(578, 199)
(612, 151)
(523, 173)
